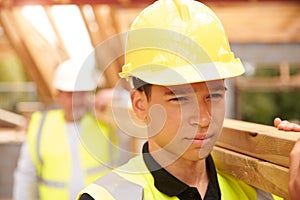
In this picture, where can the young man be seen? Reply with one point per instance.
(60, 155)
(177, 57)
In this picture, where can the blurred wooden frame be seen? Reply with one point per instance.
(38, 57)
(256, 24)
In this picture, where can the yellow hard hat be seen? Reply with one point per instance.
(173, 42)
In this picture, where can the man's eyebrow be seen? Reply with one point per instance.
(217, 88)
(189, 91)
(177, 92)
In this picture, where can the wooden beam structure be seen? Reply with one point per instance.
(116, 2)
(21, 39)
(260, 21)
(263, 31)
(38, 56)
(12, 3)
(107, 58)
(244, 21)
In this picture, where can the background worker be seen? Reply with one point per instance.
(59, 156)
(294, 170)
(177, 57)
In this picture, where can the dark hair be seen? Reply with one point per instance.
(142, 86)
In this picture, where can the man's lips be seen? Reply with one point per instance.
(199, 137)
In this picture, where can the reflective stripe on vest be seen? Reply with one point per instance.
(55, 184)
(120, 188)
(263, 195)
(38, 137)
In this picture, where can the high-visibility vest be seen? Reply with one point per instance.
(50, 152)
(125, 184)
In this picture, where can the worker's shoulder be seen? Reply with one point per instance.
(39, 114)
(135, 170)
(131, 176)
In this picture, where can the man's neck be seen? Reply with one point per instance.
(192, 173)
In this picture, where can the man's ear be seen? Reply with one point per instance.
(139, 104)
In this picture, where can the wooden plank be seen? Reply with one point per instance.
(258, 173)
(257, 140)
(12, 135)
(274, 21)
(10, 119)
(10, 3)
(95, 32)
(60, 47)
(107, 52)
(45, 56)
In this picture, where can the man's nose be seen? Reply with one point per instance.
(201, 116)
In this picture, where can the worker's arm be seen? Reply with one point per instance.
(25, 176)
(294, 172)
(294, 182)
(286, 125)
(103, 98)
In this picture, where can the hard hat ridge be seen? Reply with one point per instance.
(183, 10)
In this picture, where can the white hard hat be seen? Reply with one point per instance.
(71, 77)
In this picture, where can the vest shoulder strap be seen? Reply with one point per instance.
(120, 188)
(38, 138)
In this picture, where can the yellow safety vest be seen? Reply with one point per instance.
(124, 184)
(50, 152)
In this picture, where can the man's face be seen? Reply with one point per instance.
(74, 104)
(185, 120)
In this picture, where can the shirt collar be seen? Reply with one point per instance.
(169, 184)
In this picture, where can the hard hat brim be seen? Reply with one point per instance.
(180, 75)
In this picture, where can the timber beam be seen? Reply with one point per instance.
(255, 153)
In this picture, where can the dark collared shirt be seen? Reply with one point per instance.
(171, 186)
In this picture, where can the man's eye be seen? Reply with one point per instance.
(179, 99)
(215, 96)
